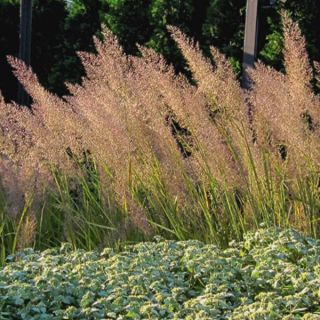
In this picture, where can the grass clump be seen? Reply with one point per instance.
(271, 274)
(137, 150)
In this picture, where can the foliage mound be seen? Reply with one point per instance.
(272, 274)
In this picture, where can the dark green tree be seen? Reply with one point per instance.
(80, 24)
(47, 38)
(307, 14)
(161, 13)
(9, 45)
(61, 28)
(128, 20)
(224, 28)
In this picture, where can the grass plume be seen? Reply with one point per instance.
(139, 150)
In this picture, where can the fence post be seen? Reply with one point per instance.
(250, 40)
(25, 44)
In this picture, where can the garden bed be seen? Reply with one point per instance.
(272, 274)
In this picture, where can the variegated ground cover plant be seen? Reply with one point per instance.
(137, 150)
(272, 274)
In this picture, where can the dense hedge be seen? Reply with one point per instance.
(272, 274)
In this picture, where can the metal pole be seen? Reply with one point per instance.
(25, 44)
(250, 40)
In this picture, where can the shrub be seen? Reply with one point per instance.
(270, 275)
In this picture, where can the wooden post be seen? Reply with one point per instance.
(25, 44)
(250, 40)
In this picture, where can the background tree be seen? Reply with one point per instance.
(306, 13)
(128, 20)
(47, 38)
(224, 28)
(9, 44)
(60, 28)
(81, 22)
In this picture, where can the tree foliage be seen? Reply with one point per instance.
(306, 13)
(61, 28)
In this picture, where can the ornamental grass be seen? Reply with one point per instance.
(137, 150)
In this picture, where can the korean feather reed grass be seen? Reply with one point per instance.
(137, 150)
